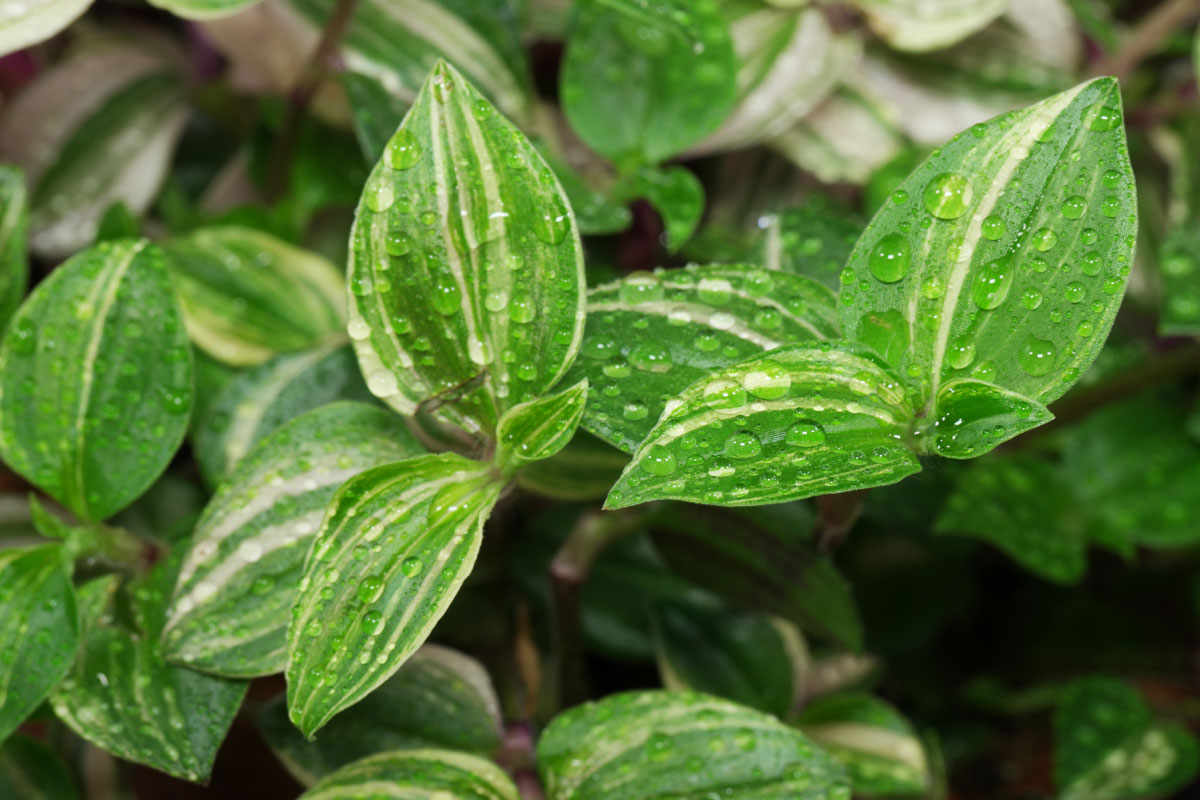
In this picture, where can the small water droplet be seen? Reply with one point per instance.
(404, 149)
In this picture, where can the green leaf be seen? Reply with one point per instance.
(974, 417)
(203, 9)
(649, 336)
(440, 698)
(30, 770)
(1110, 748)
(812, 240)
(747, 658)
(595, 211)
(678, 197)
(395, 546)
(878, 746)
(1177, 265)
(537, 429)
(921, 25)
(22, 26)
(583, 470)
(14, 240)
(466, 271)
(39, 629)
(375, 112)
(99, 345)
(1003, 257)
(790, 59)
(405, 774)
(247, 295)
(232, 603)
(118, 222)
(797, 421)
(124, 698)
(642, 82)
(259, 400)
(651, 744)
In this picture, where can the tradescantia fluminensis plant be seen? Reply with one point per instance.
(448, 442)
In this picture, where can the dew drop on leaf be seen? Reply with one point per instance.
(947, 196)
(1037, 356)
(404, 150)
(805, 433)
(889, 258)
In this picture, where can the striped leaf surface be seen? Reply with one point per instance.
(583, 470)
(39, 629)
(440, 698)
(203, 9)
(798, 421)
(652, 744)
(879, 748)
(920, 25)
(96, 379)
(259, 400)
(395, 546)
(651, 335)
(32, 770)
(537, 429)
(417, 775)
(233, 599)
(27, 23)
(14, 241)
(247, 295)
(466, 270)
(1003, 257)
(375, 112)
(122, 696)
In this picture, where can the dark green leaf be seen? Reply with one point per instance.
(14, 241)
(678, 197)
(118, 222)
(375, 111)
(96, 375)
(29, 770)
(595, 211)
(466, 274)
(405, 774)
(584, 470)
(812, 240)
(973, 417)
(537, 429)
(1177, 264)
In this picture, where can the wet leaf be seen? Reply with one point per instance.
(440, 698)
(118, 222)
(797, 421)
(677, 195)
(32, 771)
(583, 470)
(417, 773)
(203, 9)
(466, 274)
(649, 744)
(642, 81)
(39, 629)
(974, 417)
(537, 429)
(649, 336)
(99, 342)
(22, 25)
(396, 544)
(14, 241)
(375, 112)
(595, 211)
(247, 296)
(809, 240)
(921, 25)
(234, 596)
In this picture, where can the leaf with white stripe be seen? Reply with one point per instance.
(539, 428)
(31, 770)
(396, 545)
(259, 400)
(125, 699)
(920, 25)
(27, 23)
(1003, 257)
(790, 59)
(653, 744)
(417, 775)
(237, 585)
(642, 80)
(203, 9)
(797, 421)
(440, 698)
(466, 271)
(583, 470)
(97, 363)
(651, 335)
(14, 241)
(39, 629)
(878, 746)
(247, 295)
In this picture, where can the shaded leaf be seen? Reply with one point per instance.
(1180, 272)
(466, 271)
(236, 587)
(677, 195)
(404, 774)
(22, 25)
(118, 222)
(98, 342)
(537, 429)
(32, 771)
(396, 544)
(14, 241)
(595, 211)
(584, 470)
(810, 240)
(921, 25)
(974, 417)
(375, 112)
(653, 744)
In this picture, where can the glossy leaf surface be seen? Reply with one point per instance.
(650, 336)
(650, 744)
(99, 342)
(203, 9)
(798, 421)
(14, 241)
(417, 775)
(396, 544)
(678, 197)
(466, 274)
(537, 429)
(236, 587)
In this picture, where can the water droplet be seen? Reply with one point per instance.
(1110, 207)
(411, 566)
(769, 383)
(600, 348)
(1037, 356)
(446, 297)
(371, 621)
(659, 461)
(992, 283)
(404, 149)
(805, 433)
(932, 287)
(706, 342)
(370, 589)
(714, 291)
(382, 383)
(889, 258)
(1031, 298)
(961, 352)
(650, 357)
(397, 243)
(1100, 117)
(641, 287)
(1090, 264)
(380, 195)
(1111, 179)
(634, 411)
(358, 329)
(554, 223)
(993, 227)
(1075, 292)
(724, 393)
(1044, 239)
(1073, 207)
(522, 309)
(947, 196)
(527, 371)
(743, 444)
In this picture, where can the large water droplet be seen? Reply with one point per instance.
(370, 589)
(1037, 356)
(411, 566)
(446, 296)
(947, 196)
(769, 383)
(1044, 239)
(404, 149)
(714, 291)
(1100, 117)
(659, 461)
(379, 195)
(743, 444)
(634, 411)
(1073, 207)
(641, 287)
(889, 258)
(992, 227)
(961, 352)
(805, 433)
(992, 283)
(651, 357)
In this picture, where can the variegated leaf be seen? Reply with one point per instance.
(247, 295)
(440, 698)
(39, 629)
(920, 25)
(375, 112)
(797, 421)
(583, 470)
(466, 274)
(26, 23)
(203, 9)
(1003, 257)
(396, 544)
(417, 775)
(14, 241)
(652, 744)
(32, 770)
(96, 362)
(259, 400)
(651, 335)
(879, 748)
(537, 429)
(233, 599)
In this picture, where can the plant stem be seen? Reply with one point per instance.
(1147, 36)
(836, 515)
(307, 83)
